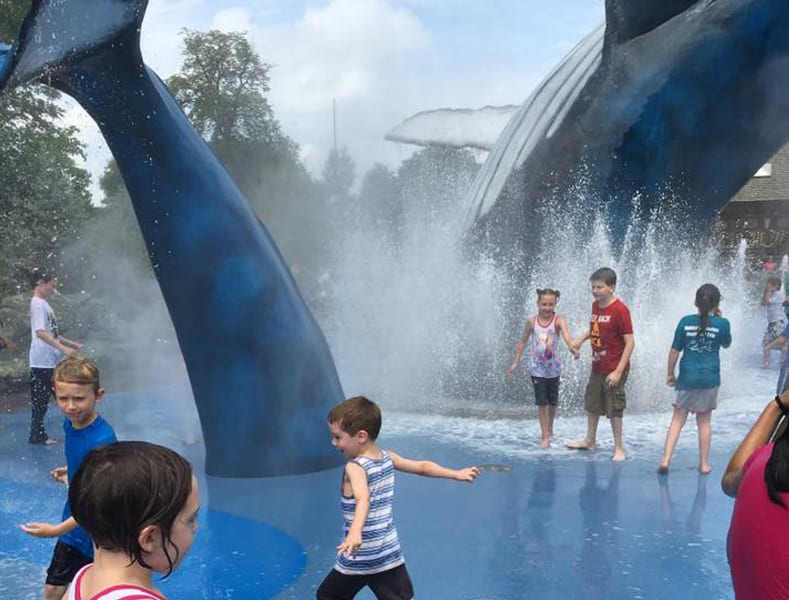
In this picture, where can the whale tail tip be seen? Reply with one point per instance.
(56, 33)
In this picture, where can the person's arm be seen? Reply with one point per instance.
(768, 291)
(584, 336)
(758, 436)
(56, 343)
(673, 355)
(428, 468)
(776, 343)
(357, 477)
(615, 375)
(70, 343)
(9, 343)
(520, 347)
(47, 530)
(564, 329)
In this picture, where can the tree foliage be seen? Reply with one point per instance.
(45, 192)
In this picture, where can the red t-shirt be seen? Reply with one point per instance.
(608, 329)
(757, 548)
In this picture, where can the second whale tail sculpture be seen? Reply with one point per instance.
(261, 372)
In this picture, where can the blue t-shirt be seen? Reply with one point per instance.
(78, 443)
(700, 365)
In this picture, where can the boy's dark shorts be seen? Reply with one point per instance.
(66, 561)
(394, 584)
(546, 391)
(603, 400)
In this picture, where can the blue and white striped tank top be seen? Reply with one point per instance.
(380, 549)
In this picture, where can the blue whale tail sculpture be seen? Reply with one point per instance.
(261, 372)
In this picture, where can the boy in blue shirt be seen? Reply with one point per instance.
(77, 391)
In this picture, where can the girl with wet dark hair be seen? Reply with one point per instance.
(699, 338)
(758, 477)
(139, 503)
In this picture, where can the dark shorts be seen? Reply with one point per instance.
(394, 584)
(66, 561)
(546, 391)
(603, 400)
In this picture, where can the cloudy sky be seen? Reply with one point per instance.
(381, 60)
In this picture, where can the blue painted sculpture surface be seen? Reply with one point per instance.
(670, 101)
(261, 372)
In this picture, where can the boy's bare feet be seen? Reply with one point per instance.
(619, 455)
(545, 443)
(580, 445)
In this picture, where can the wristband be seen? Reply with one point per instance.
(781, 406)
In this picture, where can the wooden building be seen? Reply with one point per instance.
(759, 212)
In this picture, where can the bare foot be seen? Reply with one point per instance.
(50, 442)
(765, 364)
(662, 470)
(545, 443)
(619, 455)
(580, 445)
(705, 469)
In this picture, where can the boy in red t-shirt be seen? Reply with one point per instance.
(611, 334)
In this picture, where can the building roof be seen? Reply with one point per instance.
(771, 182)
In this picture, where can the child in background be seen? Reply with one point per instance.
(699, 338)
(545, 366)
(611, 334)
(783, 376)
(47, 347)
(77, 392)
(772, 301)
(139, 504)
(370, 554)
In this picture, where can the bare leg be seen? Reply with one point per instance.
(545, 427)
(551, 419)
(672, 436)
(616, 429)
(588, 443)
(704, 423)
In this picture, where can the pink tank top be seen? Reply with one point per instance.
(116, 592)
(544, 349)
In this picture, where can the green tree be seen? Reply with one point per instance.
(45, 193)
(222, 88)
(381, 201)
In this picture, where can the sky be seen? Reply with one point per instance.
(380, 61)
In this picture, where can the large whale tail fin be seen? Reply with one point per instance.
(56, 33)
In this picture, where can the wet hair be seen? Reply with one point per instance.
(605, 274)
(77, 369)
(776, 472)
(708, 297)
(548, 292)
(38, 274)
(122, 488)
(776, 281)
(357, 414)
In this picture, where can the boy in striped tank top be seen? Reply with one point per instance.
(541, 334)
(370, 554)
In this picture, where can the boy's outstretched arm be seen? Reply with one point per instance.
(580, 341)
(428, 468)
(357, 477)
(519, 348)
(47, 530)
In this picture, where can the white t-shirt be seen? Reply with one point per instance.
(42, 317)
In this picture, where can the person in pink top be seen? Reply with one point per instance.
(139, 503)
(611, 335)
(758, 478)
(545, 367)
